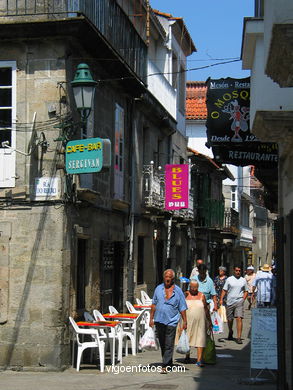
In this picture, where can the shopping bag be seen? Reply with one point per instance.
(217, 323)
(222, 313)
(209, 353)
(148, 340)
(183, 344)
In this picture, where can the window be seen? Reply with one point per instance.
(233, 197)
(245, 214)
(119, 153)
(174, 71)
(7, 123)
(259, 8)
(182, 87)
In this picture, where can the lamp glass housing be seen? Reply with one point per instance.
(83, 87)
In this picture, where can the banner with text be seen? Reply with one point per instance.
(176, 186)
(228, 106)
(259, 154)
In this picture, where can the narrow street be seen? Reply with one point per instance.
(231, 371)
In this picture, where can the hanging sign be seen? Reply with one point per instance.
(84, 156)
(228, 108)
(176, 186)
(259, 154)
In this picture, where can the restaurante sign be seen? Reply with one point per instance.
(259, 154)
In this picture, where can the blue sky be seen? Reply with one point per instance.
(215, 27)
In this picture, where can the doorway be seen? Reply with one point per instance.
(81, 273)
(112, 258)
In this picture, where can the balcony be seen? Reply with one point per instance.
(162, 90)
(231, 222)
(153, 188)
(186, 214)
(246, 236)
(210, 214)
(106, 16)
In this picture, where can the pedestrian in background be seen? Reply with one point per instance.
(263, 282)
(220, 281)
(167, 306)
(249, 277)
(194, 271)
(206, 286)
(236, 290)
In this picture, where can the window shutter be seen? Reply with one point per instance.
(7, 123)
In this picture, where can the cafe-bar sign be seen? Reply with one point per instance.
(228, 106)
(84, 156)
(176, 186)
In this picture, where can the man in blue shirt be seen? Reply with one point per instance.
(168, 304)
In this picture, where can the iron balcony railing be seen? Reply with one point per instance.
(186, 214)
(210, 214)
(231, 221)
(106, 15)
(153, 188)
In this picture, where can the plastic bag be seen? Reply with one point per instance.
(217, 323)
(183, 344)
(222, 313)
(148, 340)
(209, 353)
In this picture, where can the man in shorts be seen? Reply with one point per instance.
(237, 290)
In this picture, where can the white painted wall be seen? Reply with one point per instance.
(197, 137)
(274, 98)
(160, 87)
(275, 11)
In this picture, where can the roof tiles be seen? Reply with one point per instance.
(196, 92)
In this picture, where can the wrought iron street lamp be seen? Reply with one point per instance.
(83, 87)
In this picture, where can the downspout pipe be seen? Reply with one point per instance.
(133, 166)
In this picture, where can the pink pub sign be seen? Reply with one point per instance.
(176, 186)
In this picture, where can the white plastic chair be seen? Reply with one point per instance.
(131, 308)
(132, 330)
(112, 310)
(138, 301)
(146, 300)
(111, 335)
(145, 320)
(95, 343)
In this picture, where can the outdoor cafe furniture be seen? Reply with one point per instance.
(112, 310)
(137, 309)
(111, 332)
(131, 326)
(96, 342)
(126, 334)
(145, 299)
(138, 301)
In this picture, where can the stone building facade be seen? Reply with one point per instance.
(71, 243)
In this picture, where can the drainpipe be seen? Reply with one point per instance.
(148, 22)
(134, 161)
(169, 231)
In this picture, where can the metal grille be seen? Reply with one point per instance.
(106, 15)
